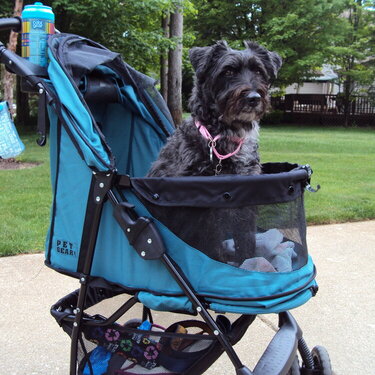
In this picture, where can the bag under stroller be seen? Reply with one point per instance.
(120, 233)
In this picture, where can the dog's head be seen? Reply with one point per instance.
(233, 84)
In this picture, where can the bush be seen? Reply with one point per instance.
(274, 117)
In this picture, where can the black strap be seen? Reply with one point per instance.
(43, 119)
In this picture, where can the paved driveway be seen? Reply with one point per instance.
(341, 317)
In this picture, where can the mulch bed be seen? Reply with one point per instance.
(15, 164)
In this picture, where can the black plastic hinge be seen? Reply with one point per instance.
(103, 183)
(142, 233)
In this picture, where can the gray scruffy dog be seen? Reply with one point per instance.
(229, 97)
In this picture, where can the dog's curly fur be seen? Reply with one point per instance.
(229, 97)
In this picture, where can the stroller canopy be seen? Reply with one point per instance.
(82, 70)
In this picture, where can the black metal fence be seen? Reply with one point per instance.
(324, 109)
(324, 103)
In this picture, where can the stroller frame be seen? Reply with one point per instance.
(280, 354)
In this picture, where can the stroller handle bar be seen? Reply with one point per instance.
(14, 24)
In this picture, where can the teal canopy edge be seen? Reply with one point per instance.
(78, 119)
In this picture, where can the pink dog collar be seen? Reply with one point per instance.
(212, 142)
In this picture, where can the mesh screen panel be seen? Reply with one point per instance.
(268, 238)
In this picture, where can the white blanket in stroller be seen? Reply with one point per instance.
(272, 254)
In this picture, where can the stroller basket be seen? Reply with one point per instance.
(187, 347)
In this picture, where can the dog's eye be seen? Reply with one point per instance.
(258, 72)
(229, 73)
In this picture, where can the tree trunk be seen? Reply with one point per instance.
(23, 108)
(8, 79)
(164, 60)
(348, 90)
(175, 66)
(22, 99)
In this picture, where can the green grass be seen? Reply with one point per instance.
(343, 161)
(25, 197)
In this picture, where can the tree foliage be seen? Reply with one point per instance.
(130, 27)
(353, 50)
(300, 31)
(306, 34)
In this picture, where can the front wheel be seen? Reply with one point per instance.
(322, 361)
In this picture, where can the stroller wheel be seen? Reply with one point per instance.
(295, 369)
(322, 362)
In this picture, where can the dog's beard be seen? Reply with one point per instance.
(238, 114)
(243, 120)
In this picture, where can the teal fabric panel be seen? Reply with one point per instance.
(234, 282)
(167, 123)
(53, 166)
(118, 262)
(146, 145)
(78, 119)
(130, 100)
(74, 178)
(53, 146)
(134, 143)
(163, 303)
(282, 305)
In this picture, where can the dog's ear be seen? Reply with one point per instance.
(220, 46)
(201, 57)
(251, 45)
(271, 60)
(198, 56)
(276, 61)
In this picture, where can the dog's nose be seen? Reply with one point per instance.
(253, 98)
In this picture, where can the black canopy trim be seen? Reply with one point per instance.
(279, 183)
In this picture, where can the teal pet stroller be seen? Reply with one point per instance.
(109, 229)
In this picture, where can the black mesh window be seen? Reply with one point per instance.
(265, 238)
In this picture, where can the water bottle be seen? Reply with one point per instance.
(10, 142)
(38, 23)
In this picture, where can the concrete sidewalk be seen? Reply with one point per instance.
(341, 317)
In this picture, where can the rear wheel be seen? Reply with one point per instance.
(322, 361)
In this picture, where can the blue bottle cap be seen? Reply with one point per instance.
(38, 10)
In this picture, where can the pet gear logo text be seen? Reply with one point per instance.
(66, 248)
